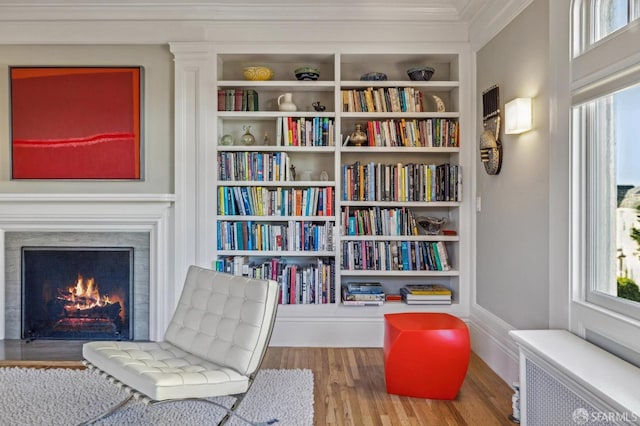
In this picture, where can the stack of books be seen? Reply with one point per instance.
(362, 294)
(426, 294)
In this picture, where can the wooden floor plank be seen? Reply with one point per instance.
(349, 386)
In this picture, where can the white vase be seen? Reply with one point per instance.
(285, 103)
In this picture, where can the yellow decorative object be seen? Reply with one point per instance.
(257, 73)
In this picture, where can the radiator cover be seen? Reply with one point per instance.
(565, 380)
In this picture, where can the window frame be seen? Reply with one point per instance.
(593, 312)
(584, 31)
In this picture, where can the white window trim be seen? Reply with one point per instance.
(591, 311)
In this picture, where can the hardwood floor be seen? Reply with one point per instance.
(350, 390)
(349, 385)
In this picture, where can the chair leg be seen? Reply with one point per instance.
(232, 410)
(229, 411)
(108, 412)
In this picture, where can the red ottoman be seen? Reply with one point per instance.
(426, 355)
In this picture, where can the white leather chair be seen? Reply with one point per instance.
(213, 346)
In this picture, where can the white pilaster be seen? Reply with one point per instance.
(194, 162)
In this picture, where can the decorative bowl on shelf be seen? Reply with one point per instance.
(420, 73)
(257, 73)
(432, 225)
(307, 73)
(373, 76)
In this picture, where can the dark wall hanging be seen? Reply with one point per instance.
(490, 144)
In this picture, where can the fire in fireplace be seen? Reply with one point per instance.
(77, 293)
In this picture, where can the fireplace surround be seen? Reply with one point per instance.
(71, 215)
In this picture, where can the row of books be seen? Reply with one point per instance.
(401, 182)
(372, 294)
(305, 131)
(395, 255)
(312, 283)
(254, 166)
(426, 294)
(261, 201)
(292, 236)
(431, 132)
(378, 221)
(238, 100)
(382, 99)
(362, 294)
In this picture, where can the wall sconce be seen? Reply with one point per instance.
(517, 116)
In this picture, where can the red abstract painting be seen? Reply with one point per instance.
(76, 122)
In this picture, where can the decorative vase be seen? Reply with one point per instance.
(285, 103)
(358, 137)
(226, 140)
(247, 138)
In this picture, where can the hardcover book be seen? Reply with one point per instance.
(428, 289)
(363, 288)
(363, 302)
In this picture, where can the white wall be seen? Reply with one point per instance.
(513, 225)
(512, 228)
(158, 113)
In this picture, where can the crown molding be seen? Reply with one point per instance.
(491, 17)
(253, 33)
(158, 21)
(223, 10)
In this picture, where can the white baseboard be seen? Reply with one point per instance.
(490, 340)
(329, 332)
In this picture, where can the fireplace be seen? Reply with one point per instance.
(141, 221)
(77, 293)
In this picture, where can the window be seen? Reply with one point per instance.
(608, 16)
(611, 145)
(594, 20)
(605, 171)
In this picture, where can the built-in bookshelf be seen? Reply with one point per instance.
(305, 207)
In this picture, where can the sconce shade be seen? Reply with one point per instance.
(517, 116)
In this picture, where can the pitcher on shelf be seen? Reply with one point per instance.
(285, 103)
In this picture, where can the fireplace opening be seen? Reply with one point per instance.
(77, 293)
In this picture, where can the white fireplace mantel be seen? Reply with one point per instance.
(151, 213)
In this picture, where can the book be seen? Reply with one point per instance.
(222, 99)
(362, 297)
(363, 302)
(368, 288)
(426, 302)
(428, 289)
(406, 294)
(279, 131)
(444, 256)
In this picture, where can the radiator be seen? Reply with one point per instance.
(565, 380)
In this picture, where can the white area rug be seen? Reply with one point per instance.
(35, 397)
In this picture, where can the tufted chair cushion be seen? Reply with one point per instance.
(220, 318)
(215, 341)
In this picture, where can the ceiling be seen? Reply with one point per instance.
(401, 10)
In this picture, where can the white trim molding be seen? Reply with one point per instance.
(490, 340)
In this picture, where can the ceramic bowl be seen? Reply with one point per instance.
(432, 225)
(420, 73)
(257, 73)
(373, 76)
(307, 73)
